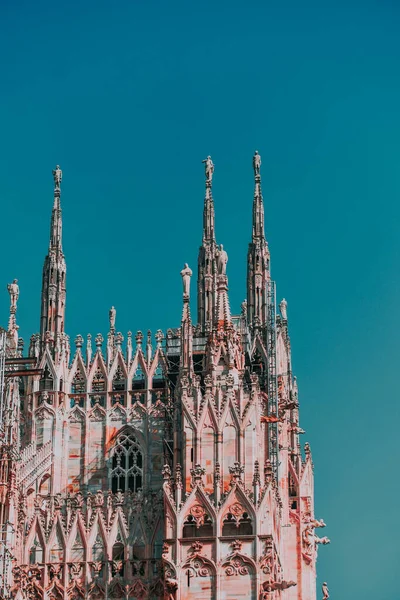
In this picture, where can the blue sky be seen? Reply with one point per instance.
(129, 97)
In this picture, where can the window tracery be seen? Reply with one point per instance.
(126, 464)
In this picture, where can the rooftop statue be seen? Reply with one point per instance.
(256, 163)
(209, 166)
(13, 290)
(325, 591)
(186, 274)
(222, 259)
(112, 314)
(57, 175)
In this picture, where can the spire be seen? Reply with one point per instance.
(257, 257)
(54, 270)
(258, 205)
(208, 212)
(206, 282)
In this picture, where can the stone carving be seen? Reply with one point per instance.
(283, 309)
(57, 176)
(209, 167)
(111, 315)
(171, 586)
(325, 591)
(13, 290)
(256, 163)
(186, 274)
(222, 259)
(236, 566)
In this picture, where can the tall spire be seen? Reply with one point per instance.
(258, 205)
(222, 318)
(186, 326)
(257, 257)
(206, 282)
(54, 270)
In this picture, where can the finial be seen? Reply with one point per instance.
(159, 337)
(209, 168)
(99, 341)
(256, 164)
(57, 176)
(186, 274)
(111, 315)
(79, 341)
(139, 339)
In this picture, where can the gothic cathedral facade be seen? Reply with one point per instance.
(166, 467)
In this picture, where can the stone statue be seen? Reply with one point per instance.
(325, 591)
(186, 274)
(209, 168)
(112, 314)
(283, 309)
(57, 175)
(222, 259)
(256, 163)
(13, 290)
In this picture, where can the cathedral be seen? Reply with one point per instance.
(166, 466)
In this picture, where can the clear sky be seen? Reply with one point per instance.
(129, 97)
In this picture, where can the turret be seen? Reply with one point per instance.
(53, 283)
(258, 273)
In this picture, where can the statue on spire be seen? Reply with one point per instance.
(57, 175)
(256, 163)
(13, 290)
(222, 259)
(325, 591)
(112, 314)
(186, 274)
(209, 166)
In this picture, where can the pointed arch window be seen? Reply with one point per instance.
(98, 383)
(118, 383)
(197, 527)
(138, 381)
(46, 382)
(77, 550)
(98, 549)
(78, 385)
(36, 552)
(235, 526)
(126, 464)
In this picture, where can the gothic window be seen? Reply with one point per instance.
(98, 383)
(46, 382)
(36, 552)
(118, 383)
(126, 464)
(138, 381)
(78, 385)
(193, 527)
(77, 550)
(57, 550)
(98, 549)
(234, 526)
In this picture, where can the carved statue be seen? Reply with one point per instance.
(222, 259)
(283, 309)
(256, 163)
(112, 314)
(13, 290)
(57, 175)
(325, 591)
(186, 274)
(209, 166)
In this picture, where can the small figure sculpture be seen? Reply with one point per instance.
(57, 175)
(283, 309)
(13, 290)
(112, 315)
(256, 163)
(186, 274)
(243, 307)
(325, 591)
(209, 166)
(222, 259)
